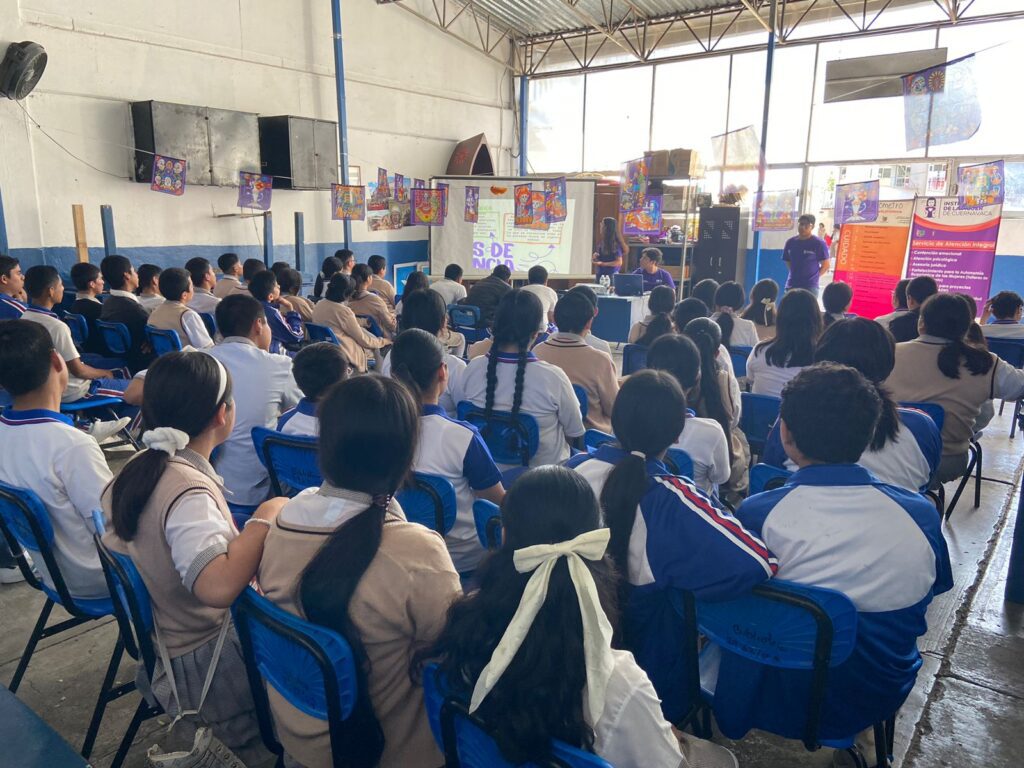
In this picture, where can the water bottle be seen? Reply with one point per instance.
(605, 282)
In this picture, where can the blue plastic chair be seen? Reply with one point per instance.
(487, 517)
(79, 328)
(541, 338)
(116, 337)
(465, 318)
(321, 333)
(163, 341)
(739, 356)
(371, 325)
(760, 412)
(310, 666)
(512, 441)
(465, 740)
(430, 501)
(634, 358)
(938, 414)
(581, 395)
(1010, 351)
(765, 477)
(26, 528)
(96, 406)
(210, 321)
(291, 460)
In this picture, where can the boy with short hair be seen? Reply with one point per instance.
(175, 315)
(122, 306)
(379, 284)
(204, 280)
(899, 304)
(451, 288)
(316, 369)
(12, 284)
(149, 287)
(286, 330)
(538, 286)
(919, 290)
(1006, 309)
(834, 525)
(347, 259)
(290, 282)
(88, 283)
(41, 450)
(231, 269)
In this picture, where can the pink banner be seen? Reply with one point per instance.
(870, 257)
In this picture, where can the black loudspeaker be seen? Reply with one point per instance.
(21, 69)
(299, 152)
(718, 244)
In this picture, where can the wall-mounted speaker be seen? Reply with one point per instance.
(21, 69)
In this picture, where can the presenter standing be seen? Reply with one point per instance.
(807, 256)
(611, 249)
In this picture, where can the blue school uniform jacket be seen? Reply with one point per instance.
(285, 330)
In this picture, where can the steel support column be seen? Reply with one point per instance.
(763, 164)
(339, 84)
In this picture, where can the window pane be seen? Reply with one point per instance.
(790, 110)
(618, 118)
(689, 104)
(555, 125)
(746, 92)
(897, 181)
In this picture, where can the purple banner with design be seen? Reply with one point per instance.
(857, 202)
(981, 185)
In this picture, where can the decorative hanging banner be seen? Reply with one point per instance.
(775, 211)
(539, 210)
(981, 185)
(444, 200)
(856, 202)
(381, 195)
(870, 257)
(400, 194)
(472, 213)
(940, 104)
(254, 190)
(419, 184)
(956, 246)
(348, 202)
(738, 150)
(557, 206)
(523, 195)
(645, 221)
(168, 175)
(634, 185)
(427, 206)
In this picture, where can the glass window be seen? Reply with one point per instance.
(689, 104)
(789, 115)
(746, 91)
(897, 181)
(555, 140)
(618, 118)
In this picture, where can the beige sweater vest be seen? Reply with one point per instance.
(167, 317)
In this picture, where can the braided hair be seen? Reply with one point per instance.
(516, 321)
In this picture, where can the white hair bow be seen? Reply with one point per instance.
(597, 630)
(166, 439)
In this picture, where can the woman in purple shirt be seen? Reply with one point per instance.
(610, 250)
(652, 274)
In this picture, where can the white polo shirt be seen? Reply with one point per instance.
(300, 420)
(456, 365)
(450, 291)
(547, 396)
(548, 299)
(704, 441)
(768, 379)
(42, 451)
(149, 303)
(60, 334)
(263, 387)
(1003, 329)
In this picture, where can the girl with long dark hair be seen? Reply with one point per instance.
(658, 322)
(169, 515)
(342, 556)
(333, 311)
(331, 266)
(511, 379)
(736, 331)
(797, 328)
(611, 248)
(761, 309)
(666, 533)
(416, 281)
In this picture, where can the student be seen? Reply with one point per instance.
(41, 450)
(736, 331)
(705, 290)
(836, 299)
(537, 278)
(703, 439)
(450, 287)
(149, 287)
(231, 269)
(906, 447)
(797, 328)
(122, 306)
(659, 319)
(899, 304)
(358, 344)
(88, 282)
(316, 369)
(651, 271)
(343, 556)
(416, 281)
(585, 366)
(588, 293)
(426, 311)
(447, 448)
(290, 283)
(328, 269)
(611, 249)
(12, 283)
(347, 259)
(204, 280)
(806, 256)
(487, 293)
(286, 328)
(250, 268)
(919, 290)
(510, 378)
(595, 698)
(761, 309)
(1006, 309)
(665, 533)
(175, 315)
(940, 367)
(279, 268)
(169, 515)
(834, 525)
(379, 285)
(363, 302)
(692, 308)
(264, 388)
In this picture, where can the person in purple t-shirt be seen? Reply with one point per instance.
(610, 250)
(807, 256)
(652, 274)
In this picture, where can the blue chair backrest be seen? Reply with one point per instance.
(1011, 351)
(595, 438)
(466, 743)
(760, 412)
(634, 358)
(131, 607)
(321, 333)
(512, 441)
(679, 462)
(430, 501)
(487, 517)
(541, 338)
(739, 356)
(291, 460)
(163, 341)
(116, 337)
(371, 325)
(581, 395)
(936, 411)
(464, 315)
(210, 321)
(765, 477)
(79, 328)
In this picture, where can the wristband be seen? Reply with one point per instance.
(259, 520)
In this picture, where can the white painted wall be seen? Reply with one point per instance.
(413, 93)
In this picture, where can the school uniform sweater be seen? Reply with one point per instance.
(226, 286)
(175, 316)
(10, 307)
(357, 343)
(384, 289)
(303, 306)
(587, 368)
(373, 305)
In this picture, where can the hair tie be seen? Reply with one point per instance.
(768, 302)
(726, 310)
(639, 454)
(382, 500)
(166, 439)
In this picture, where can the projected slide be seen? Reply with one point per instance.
(497, 240)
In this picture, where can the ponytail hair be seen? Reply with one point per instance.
(761, 309)
(416, 359)
(648, 417)
(706, 334)
(516, 321)
(726, 323)
(660, 325)
(182, 393)
(729, 298)
(798, 326)
(330, 266)
(948, 316)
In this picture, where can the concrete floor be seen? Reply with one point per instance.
(966, 709)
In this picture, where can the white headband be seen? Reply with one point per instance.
(597, 630)
(171, 440)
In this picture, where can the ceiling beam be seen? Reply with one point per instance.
(442, 22)
(749, 7)
(600, 28)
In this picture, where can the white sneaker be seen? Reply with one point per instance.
(103, 430)
(11, 575)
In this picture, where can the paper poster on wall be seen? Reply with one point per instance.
(634, 185)
(348, 202)
(857, 201)
(168, 175)
(775, 211)
(870, 257)
(981, 185)
(524, 205)
(646, 220)
(380, 193)
(400, 193)
(427, 207)
(956, 246)
(254, 190)
(386, 213)
(472, 213)
(419, 184)
(555, 191)
(443, 187)
(539, 208)
(940, 104)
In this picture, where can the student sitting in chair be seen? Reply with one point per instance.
(149, 287)
(250, 268)
(415, 282)
(11, 288)
(364, 302)
(1005, 310)
(379, 284)
(316, 369)
(447, 448)
(834, 525)
(836, 298)
(360, 345)
(659, 319)
(329, 268)
(286, 329)
(537, 278)
(343, 556)
(174, 314)
(41, 451)
(290, 282)
(899, 304)
(761, 309)
(919, 290)
(204, 281)
(736, 331)
(588, 293)
(487, 293)
(122, 306)
(450, 286)
(88, 282)
(231, 271)
(652, 273)
(690, 309)
(797, 328)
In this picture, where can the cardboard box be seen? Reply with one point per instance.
(674, 164)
